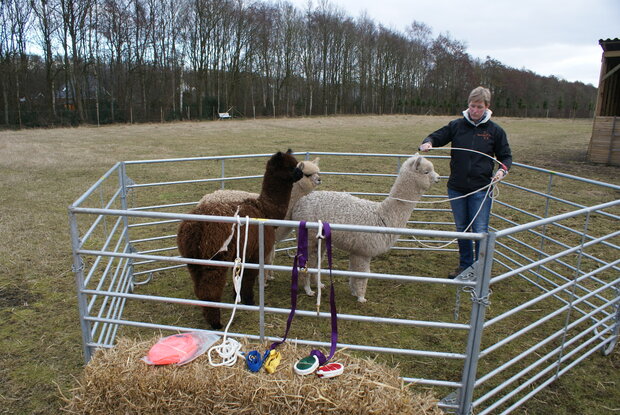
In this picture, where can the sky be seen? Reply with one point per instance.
(548, 37)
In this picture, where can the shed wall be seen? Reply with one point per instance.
(605, 141)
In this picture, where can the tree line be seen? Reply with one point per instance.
(106, 61)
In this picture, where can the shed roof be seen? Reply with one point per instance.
(609, 44)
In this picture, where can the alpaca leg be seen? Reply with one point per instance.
(312, 255)
(307, 279)
(269, 261)
(314, 263)
(356, 284)
(247, 286)
(209, 286)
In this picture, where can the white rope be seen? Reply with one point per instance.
(466, 229)
(230, 349)
(495, 192)
(490, 188)
(319, 236)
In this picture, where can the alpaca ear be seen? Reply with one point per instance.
(300, 166)
(416, 163)
(316, 161)
(289, 151)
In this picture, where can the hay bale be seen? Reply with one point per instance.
(117, 381)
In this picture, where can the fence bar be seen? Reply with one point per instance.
(553, 257)
(548, 280)
(107, 242)
(551, 293)
(556, 218)
(275, 310)
(558, 225)
(369, 275)
(360, 347)
(548, 317)
(95, 186)
(286, 223)
(531, 350)
(98, 220)
(194, 181)
(549, 381)
(542, 372)
(433, 382)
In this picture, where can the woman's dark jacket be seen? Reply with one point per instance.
(470, 171)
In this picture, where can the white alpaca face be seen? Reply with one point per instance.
(312, 177)
(424, 169)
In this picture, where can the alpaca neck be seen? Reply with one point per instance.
(394, 212)
(296, 193)
(274, 200)
(406, 189)
(396, 209)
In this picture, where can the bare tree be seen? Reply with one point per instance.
(46, 15)
(6, 52)
(287, 47)
(15, 15)
(204, 20)
(74, 14)
(365, 55)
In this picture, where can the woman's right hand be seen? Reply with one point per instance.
(424, 147)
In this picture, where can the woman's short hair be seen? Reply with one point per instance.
(480, 94)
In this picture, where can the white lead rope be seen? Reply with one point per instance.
(319, 236)
(495, 190)
(229, 349)
(466, 229)
(489, 187)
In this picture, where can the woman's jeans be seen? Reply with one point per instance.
(464, 210)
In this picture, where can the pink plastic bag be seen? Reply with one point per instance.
(180, 349)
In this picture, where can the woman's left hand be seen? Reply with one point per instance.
(499, 175)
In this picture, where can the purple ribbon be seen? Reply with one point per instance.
(300, 261)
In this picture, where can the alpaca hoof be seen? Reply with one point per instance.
(269, 276)
(361, 300)
(310, 292)
(216, 326)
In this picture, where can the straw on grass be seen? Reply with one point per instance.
(118, 381)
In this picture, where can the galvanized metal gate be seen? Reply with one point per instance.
(544, 295)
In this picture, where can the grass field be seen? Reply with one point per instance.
(46, 170)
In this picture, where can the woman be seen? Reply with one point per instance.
(471, 171)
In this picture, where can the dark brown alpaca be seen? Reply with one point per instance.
(202, 240)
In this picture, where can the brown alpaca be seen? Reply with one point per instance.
(202, 240)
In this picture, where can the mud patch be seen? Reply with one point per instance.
(12, 295)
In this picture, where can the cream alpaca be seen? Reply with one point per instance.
(415, 177)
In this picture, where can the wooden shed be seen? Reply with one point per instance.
(605, 142)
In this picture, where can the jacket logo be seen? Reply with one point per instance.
(484, 135)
